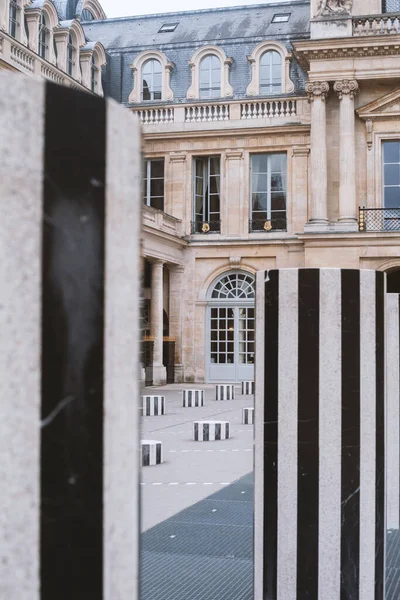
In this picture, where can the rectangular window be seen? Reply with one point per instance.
(391, 6)
(13, 22)
(154, 183)
(391, 185)
(168, 27)
(268, 192)
(206, 201)
(284, 18)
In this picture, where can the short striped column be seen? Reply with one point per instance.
(247, 388)
(225, 392)
(152, 453)
(153, 406)
(193, 398)
(393, 411)
(320, 526)
(248, 416)
(210, 431)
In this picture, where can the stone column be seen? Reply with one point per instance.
(320, 527)
(318, 207)
(157, 310)
(346, 90)
(176, 290)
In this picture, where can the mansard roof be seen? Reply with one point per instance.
(204, 26)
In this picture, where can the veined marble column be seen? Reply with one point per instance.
(318, 207)
(346, 90)
(157, 309)
(320, 525)
(176, 289)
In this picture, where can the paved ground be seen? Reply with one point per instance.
(192, 470)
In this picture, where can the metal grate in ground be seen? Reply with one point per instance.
(206, 551)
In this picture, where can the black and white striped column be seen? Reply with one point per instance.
(152, 453)
(247, 388)
(193, 398)
(210, 431)
(225, 391)
(393, 410)
(248, 416)
(69, 223)
(153, 406)
(320, 435)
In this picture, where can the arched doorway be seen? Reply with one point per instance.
(230, 328)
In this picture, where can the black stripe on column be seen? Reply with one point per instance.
(380, 524)
(351, 432)
(72, 400)
(196, 432)
(271, 436)
(308, 434)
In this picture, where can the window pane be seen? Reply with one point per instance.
(260, 202)
(214, 204)
(278, 163)
(214, 185)
(392, 174)
(157, 168)
(278, 201)
(260, 183)
(157, 203)
(214, 166)
(392, 197)
(146, 91)
(276, 182)
(157, 187)
(259, 163)
(391, 152)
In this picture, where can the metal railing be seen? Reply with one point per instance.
(262, 225)
(379, 219)
(205, 227)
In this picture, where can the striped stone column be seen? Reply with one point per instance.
(153, 406)
(320, 435)
(247, 388)
(393, 410)
(152, 453)
(248, 416)
(193, 398)
(69, 320)
(210, 431)
(225, 392)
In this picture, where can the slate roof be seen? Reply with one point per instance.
(236, 29)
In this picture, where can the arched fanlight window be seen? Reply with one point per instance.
(210, 77)
(14, 10)
(152, 80)
(44, 35)
(271, 73)
(94, 74)
(87, 15)
(70, 55)
(235, 286)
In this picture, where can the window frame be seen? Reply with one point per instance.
(147, 179)
(207, 194)
(71, 54)
(269, 212)
(270, 66)
(287, 85)
(44, 37)
(384, 7)
(14, 16)
(168, 27)
(280, 20)
(151, 87)
(211, 87)
(384, 186)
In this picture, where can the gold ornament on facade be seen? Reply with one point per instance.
(205, 228)
(267, 226)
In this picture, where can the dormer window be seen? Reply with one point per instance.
(44, 36)
(70, 56)
(94, 71)
(152, 80)
(210, 77)
(270, 73)
(87, 15)
(270, 70)
(168, 27)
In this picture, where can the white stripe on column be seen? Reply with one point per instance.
(287, 434)
(330, 434)
(367, 433)
(22, 104)
(392, 411)
(259, 437)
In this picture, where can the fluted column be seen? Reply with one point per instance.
(346, 90)
(318, 204)
(176, 290)
(157, 308)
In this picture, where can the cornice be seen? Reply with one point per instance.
(339, 48)
(224, 133)
(169, 239)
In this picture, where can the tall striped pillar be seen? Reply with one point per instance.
(69, 321)
(393, 410)
(319, 435)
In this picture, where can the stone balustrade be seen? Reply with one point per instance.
(52, 74)
(148, 116)
(22, 57)
(207, 112)
(268, 109)
(386, 24)
(157, 219)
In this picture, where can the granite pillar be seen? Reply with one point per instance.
(69, 222)
(319, 435)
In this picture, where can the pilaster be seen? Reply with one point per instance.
(157, 271)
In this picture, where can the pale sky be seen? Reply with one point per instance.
(126, 8)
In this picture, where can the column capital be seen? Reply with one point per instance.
(177, 157)
(157, 262)
(317, 89)
(177, 268)
(346, 87)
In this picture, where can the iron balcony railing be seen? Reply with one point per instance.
(379, 219)
(205, 227)
(262, 225)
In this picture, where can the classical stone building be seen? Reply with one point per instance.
(45, 38)
(271, 139)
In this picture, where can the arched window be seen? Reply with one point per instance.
(87, 15)
(234, 286)
(271, 73)
(14, 16)
(94, 74)
(44, 36)
(210, 77)
(152, 80)
(70, 55)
